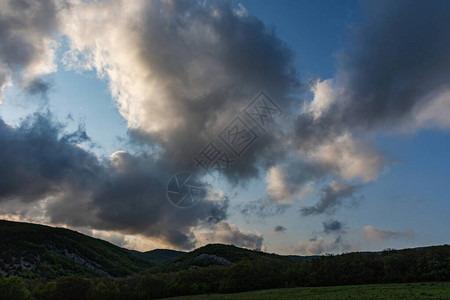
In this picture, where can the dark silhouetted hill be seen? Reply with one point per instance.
(159, 255)
(38, 251)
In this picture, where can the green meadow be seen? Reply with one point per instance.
(431, 290)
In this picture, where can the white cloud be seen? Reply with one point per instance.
(226, 233)
(349, 158)
(277, 188)
(283, 187)
(320, 245)
(434, 113)
(376, 234)
(324, 95)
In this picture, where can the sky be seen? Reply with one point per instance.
(295, 127)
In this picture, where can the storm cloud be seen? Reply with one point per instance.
(332, 196)
(42, 166)
(182, 71)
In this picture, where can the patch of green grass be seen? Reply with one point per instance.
(429, 290)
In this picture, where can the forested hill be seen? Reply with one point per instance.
(88, 268)
(38, 251)
(159, 255)
(219, 255)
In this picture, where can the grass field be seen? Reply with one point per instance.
(430, 290)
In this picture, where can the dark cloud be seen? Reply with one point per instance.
(125, 193)
(393, 74)
(26, 32)
(396, 64)
(262, 208)
(398, 61)
(193, 68)
(38, 87)
(204, 62)
(37, 159)
(292, 179)
(279, 228)
(332, 196)
(226, 233)
(332, 226)
(331, 239)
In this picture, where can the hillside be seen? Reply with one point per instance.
(62, 262)
(220, 255)
(37, 251)
(158, 255)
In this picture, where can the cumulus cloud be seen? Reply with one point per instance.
(349, 158)
(45, 172)
(226, 233)
(386, 84)
(27, 48)
(321, 245)
(332, 239)
(395, 68)
(289, 182)
(333, 226)
(279, 229)
(392, 76)
(324, 96)
(376, 234)
(180, 71)
(38, 160)
(277, 187)
(332, 196)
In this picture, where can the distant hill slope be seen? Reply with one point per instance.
(38, 251)
(216, 254)
(159, 255)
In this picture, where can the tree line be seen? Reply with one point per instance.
(389, 266)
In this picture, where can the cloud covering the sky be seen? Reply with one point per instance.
(176, 71)
(392, 77)
(179, 72)
(45, 167)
